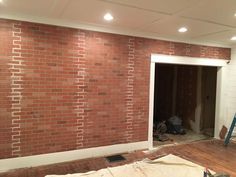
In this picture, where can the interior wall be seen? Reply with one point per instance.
(64, 89)
(5, 89)
(226, 84)
(208, 98)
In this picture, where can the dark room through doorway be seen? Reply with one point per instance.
(184, 103)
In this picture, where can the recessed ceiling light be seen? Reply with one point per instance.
(1, 1)
(235, 14)
(108, 17)
(182, 29)
(233, 38)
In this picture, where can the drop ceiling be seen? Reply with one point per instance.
(210, 22)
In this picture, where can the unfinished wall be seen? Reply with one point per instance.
(183, 103)
(164, 76)
(64, 89)
(186, 94)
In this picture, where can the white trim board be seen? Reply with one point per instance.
(58, 157)
(151, 105)
(167, 59)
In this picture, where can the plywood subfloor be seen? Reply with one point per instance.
(210, 153)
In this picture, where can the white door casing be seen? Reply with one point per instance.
(181, 60)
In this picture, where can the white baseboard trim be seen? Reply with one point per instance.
(45, 159)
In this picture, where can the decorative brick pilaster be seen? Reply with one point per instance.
(16, 87)
(171, 48)
(130, 91)
(80, 83)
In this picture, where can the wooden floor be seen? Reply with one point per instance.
(210, 153)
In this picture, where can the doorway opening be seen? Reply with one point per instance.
(197, 125)
(184, 103)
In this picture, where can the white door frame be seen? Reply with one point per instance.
(156, 58)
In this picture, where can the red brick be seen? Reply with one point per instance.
(65, 89)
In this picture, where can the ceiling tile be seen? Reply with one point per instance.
(223, 37)
(169, 28)
(92, 11)
(27, 7)
(166, 6)
(218, 11)
(207, 20)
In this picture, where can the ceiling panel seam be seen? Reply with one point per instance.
(136, 7)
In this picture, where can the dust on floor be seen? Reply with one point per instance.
(189, 137)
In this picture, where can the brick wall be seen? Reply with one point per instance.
(5, 89)
(64, 89)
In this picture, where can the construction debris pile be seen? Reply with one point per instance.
(172, 126)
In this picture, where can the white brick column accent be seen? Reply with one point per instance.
(130, 90)
(16, 87)
(80, 82)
